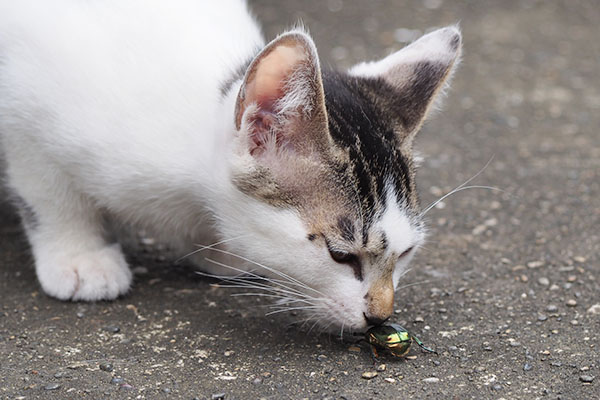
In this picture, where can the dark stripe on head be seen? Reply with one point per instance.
(346, 228)
(363, 115)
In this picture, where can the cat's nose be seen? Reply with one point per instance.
(380, 302)
(374, 320)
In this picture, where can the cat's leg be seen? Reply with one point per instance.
(73, 261)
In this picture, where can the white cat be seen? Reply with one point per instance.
(175, 116)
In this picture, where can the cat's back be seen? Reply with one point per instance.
(125, 62)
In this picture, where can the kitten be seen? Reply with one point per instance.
(176, 116)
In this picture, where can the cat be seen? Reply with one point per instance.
(178, 117)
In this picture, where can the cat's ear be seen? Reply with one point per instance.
(281, 101)
(416, 74)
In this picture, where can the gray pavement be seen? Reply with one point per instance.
(512, 293)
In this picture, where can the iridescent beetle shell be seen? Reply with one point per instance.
(393, 338)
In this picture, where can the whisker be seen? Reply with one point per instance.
(461, 187)
(415, 284)
(291, 309)
(458, 189)
(210, 246)
(257, 276)
(268, 289)
(244, 284)
(281, 274)
(275, 296)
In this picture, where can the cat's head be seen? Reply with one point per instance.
(324, 170)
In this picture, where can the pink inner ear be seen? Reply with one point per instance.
(265, 86)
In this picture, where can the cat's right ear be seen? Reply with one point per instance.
(281, 101)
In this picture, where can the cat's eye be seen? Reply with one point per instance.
(349, 259)
(405, 252)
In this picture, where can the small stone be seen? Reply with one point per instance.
(431, 380)
(106, 367)
(556, 364)
(542, 317)
(479, 229)
(572, 278)
(579, 259)
(55, 386)
(552, 308)
(554, 287)
(354, 349)
(228, 353)
(535, 264)
(524, 278)
(497, 387)
(321, 357)
(369, 374)
(491, 222)
(257, 381)
(418, 319)
(140, 270)
(117, 380)
(166, 390)
(568, 268)
(381, 367)
(126, 386)
(574, 322)
(586, 378)
(390, 380)
(112, 329)
(594, 310)
(544, 281)
(571, 303)
(527, 367)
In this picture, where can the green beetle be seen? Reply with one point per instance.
(392, 338)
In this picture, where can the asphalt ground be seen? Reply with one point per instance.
(507, 288)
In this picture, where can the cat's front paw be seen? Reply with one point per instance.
(94, 275)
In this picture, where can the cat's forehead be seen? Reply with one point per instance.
(362, 126)
(392, 230)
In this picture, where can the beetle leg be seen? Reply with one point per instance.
(421, 345)
(374, 354)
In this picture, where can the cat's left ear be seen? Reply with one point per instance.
(414, 76)
(281, 101)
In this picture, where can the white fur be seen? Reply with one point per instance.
(114, 107)
(434, 46)
(401, 233)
